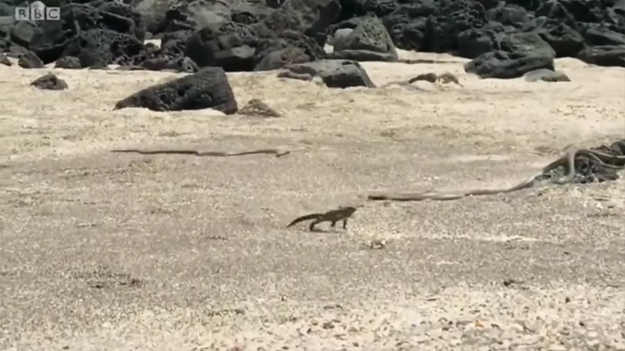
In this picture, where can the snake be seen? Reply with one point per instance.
(198, 153)
(567, 160)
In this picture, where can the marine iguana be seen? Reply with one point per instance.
(342, 213)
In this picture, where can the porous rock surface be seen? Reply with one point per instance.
(208, 88)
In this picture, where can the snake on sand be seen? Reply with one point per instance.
(198, 153)
(567, 160)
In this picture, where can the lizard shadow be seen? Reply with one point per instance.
(326, 231)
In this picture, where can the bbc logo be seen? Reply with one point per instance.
(37, 11)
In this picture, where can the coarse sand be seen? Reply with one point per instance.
(104, 251)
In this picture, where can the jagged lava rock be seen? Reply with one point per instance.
(208, 88)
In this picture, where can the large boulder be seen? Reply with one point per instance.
(527, 44)
(30, 60)
(369, 41)
(431, 25)
(334, 73)
(449, 20)
(185, 15)
(338, 36)
(230, 46)
(565, 41)
(351, 9)
(309, 17)
(508, 15)
(175, 43)
(169, 56)
(505, 65)
(243, 45)
(51, 38)
(516, 55)
(546, 75)
(193, 15)
(154, 13)
(555, 10)
(100, 47)
(283, 43)
(406, 24)
(68, 62)
(380, 8)
(589, 11)
(280, 58)
(121, 12)
(477, 41)
(4, 60)
(602, 35)
(23, 32)
(208, 88)
(610, 55)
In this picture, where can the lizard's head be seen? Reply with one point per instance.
(350, 209)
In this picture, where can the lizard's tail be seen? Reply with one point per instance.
(305, 218)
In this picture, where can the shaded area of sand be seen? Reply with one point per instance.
(106, 251)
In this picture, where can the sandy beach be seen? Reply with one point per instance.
(104, 251)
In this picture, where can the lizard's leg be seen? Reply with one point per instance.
(333, 224)
(345, 223)
(313, 224)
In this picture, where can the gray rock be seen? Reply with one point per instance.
(338, 39)
(100, 47)
(178, 64)
(280, 58)
(566, 41)
(49, 82)
(606, 55)
(312, 17)
(208, 88)
(546, 75)
(230, 47)
(362, 56)
(5, 60)
(30, 60)
(599, 35)
(299, 76)
(369, 41)
(68, 62)
(474, 42)
(23, 32)
(516, 55)
(153, 12)
(527, 44)
(334, 73)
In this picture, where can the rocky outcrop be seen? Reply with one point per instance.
(274, 33)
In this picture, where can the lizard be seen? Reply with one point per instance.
(567, 160)
(447, 77)
(198, 153)
(256, 107)
(342, 213)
